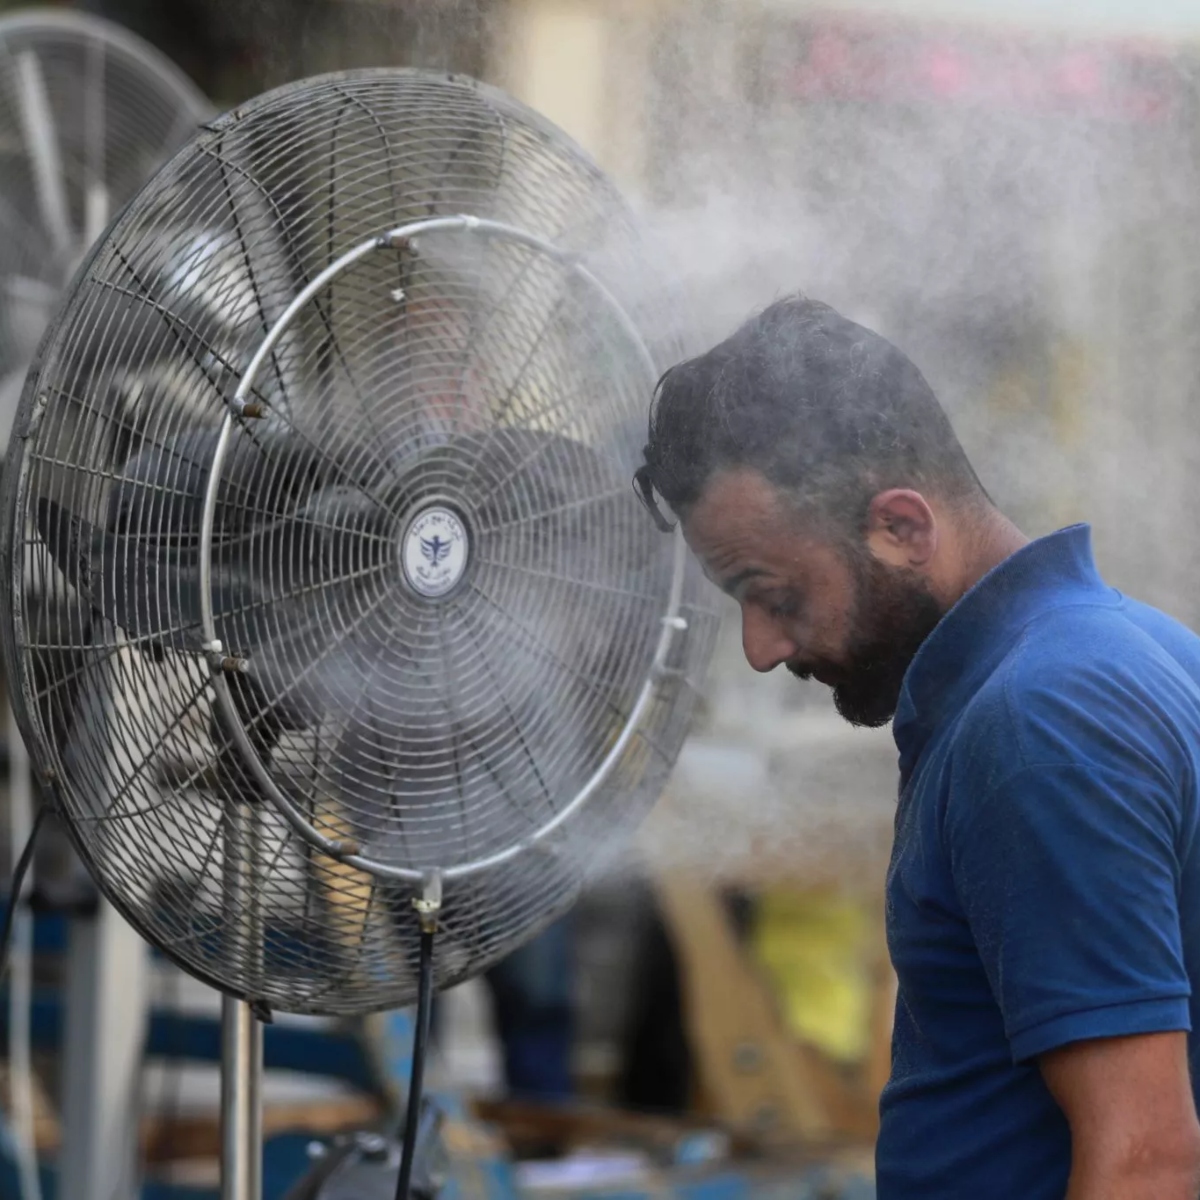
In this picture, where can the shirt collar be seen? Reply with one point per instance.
(971, 639)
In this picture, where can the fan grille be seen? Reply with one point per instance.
(429, 572)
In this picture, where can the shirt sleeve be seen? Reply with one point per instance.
(1068, 876)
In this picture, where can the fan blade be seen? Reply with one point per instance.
(41, 142)
(265, 474)
(430, 732)
(164, 718)
(146, 340)
(274, 523)
(145, 578)
(150, 592)
(121, 580)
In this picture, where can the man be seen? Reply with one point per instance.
(1043, 899)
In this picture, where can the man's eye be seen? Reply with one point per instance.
(783, 608)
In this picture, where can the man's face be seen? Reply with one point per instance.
(827, 612)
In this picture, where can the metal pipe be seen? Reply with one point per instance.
(241, 1102)
(241, 1032)
(254, 1137)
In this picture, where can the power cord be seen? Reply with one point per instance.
(14, 891)
(412, 1118)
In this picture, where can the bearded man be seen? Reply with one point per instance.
(1043, 897)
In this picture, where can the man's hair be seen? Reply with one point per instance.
(829, 412)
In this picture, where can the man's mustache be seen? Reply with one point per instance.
(821, 672)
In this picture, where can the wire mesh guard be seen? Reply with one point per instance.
(441, 633)
(87, 112)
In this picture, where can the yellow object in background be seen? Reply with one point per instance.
(815, 947)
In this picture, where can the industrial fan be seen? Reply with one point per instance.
(88, 111)
(372, 649)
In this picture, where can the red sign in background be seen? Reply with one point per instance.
(848, 60)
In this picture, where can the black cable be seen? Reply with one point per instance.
(14, 895)
(416, 1082)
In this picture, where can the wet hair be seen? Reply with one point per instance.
(829, 412)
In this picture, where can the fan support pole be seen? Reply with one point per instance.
(241, 1101)
(241, 1031)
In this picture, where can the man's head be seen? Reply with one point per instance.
(820, 483)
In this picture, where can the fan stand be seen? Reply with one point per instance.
(241, 1101)
(241, 1030)
(242, 1037)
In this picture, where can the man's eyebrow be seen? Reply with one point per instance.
(731, 585)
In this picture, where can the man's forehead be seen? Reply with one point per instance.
(738, 545)
(734, 513)
(740, 509)
(734, 565)
(743, 491)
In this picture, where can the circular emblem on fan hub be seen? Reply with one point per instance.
(435, 550)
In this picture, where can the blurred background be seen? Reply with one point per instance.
(1007, 189)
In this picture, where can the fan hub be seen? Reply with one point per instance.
(435, 551)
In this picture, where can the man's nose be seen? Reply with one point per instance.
(764, 644)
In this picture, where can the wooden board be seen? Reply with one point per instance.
(749, 1074)
(753, 1076)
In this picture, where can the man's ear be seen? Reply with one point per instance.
(901, 528)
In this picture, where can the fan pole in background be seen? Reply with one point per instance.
(106, 1021)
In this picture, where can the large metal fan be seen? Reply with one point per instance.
(88, 112)
(332, 444)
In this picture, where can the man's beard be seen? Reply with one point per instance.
(893, 613)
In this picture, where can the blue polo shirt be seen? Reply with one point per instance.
(1045, 881)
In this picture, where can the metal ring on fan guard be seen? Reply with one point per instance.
(672, 622)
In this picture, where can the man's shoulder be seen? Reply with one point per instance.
(1085, 675)
(1087, 652)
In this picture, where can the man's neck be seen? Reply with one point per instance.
(982, 541)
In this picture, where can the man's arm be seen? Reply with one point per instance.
(1128, 1101)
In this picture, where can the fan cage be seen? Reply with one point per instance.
(475, 370)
